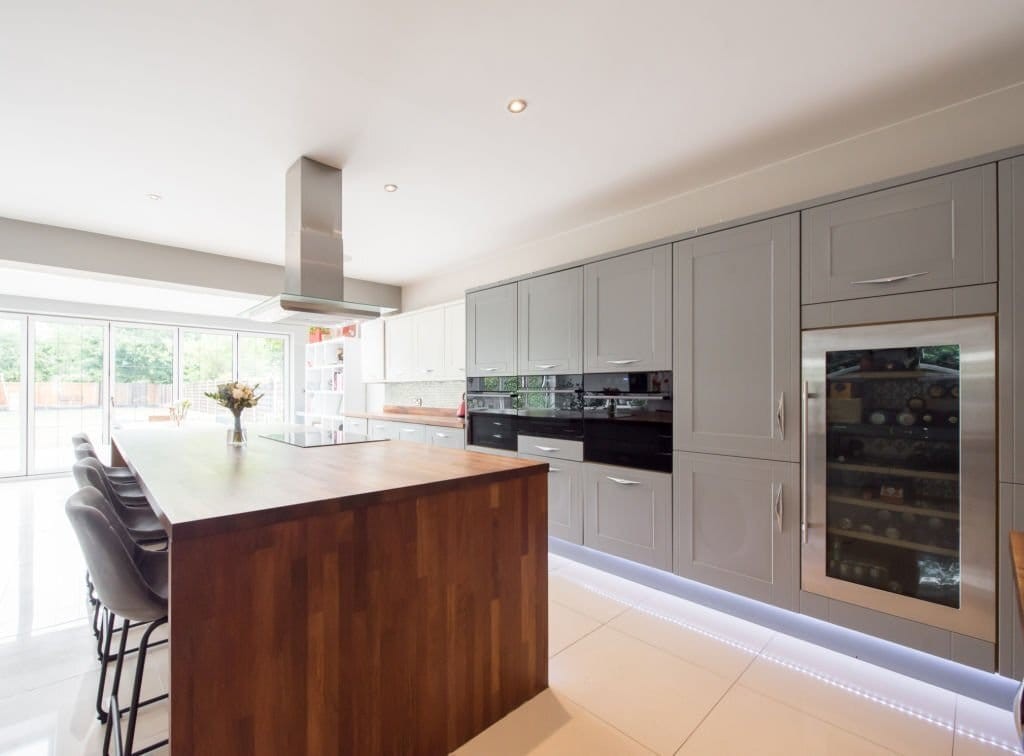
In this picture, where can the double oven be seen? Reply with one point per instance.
(621, 419)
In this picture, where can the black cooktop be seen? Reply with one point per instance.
(307, 439)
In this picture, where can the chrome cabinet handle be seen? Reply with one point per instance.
(544, 367)
(623, 481)
(621, 362)
(1017, 712)
(554, 469)
(804, 525)
(441, 435)
(496, 435)
(409, 430)
(489, 370)
(428, 370)
(780, 416)
(890, 279)
(546, 448)
(778, 508)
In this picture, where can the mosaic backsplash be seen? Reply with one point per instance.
(433, 393)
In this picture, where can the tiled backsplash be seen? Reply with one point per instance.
(433, 393)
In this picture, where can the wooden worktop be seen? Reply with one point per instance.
(438, 416)
(199, 485)
(1017, 552)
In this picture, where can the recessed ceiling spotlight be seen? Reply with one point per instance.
(516, 106)
(390, 187)
(155, 197)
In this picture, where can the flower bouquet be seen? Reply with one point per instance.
(236, 397)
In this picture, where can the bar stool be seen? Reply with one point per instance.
(140, 520)
(130, 584)
(121, 475)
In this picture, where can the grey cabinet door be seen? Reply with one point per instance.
(410, 432)
(737, 341)
(627, 305)
(380, 429)
(449, 438)
(491, 331)
(930, 234)
(565, 498)
(551, 323)
(737, 525)
(1011, 321)
(628, 513)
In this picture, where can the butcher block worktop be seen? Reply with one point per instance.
(199, 484)
(439, 416)
(374, 598)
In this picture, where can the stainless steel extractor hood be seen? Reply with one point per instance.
(314, 280)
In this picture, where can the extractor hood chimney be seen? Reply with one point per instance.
(314, 281)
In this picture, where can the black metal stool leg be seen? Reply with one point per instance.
(137, 686)
(108, 631)
(112, 713)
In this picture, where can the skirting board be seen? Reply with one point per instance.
(988, 687)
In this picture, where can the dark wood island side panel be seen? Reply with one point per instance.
(402, 627)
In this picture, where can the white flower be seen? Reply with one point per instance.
(237, 393)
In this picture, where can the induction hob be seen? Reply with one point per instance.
(308, 439)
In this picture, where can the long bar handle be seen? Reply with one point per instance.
(546, 448)
(780, 415)
(623, 481)
(778, 508)
(804, 463)
(890, 279)
(621, 362)
(545, 367)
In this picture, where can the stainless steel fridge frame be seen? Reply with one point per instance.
(976, 336)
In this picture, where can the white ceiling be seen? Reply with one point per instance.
(207, 103)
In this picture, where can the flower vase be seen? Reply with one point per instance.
(237, 436)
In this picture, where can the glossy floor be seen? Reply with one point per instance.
(632, 671)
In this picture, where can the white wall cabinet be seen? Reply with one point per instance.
(400, 348)
(455, 341)
(372, 340)
(426, 345)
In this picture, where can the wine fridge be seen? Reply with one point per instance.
(899, 466)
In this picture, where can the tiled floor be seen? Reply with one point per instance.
(632, 671)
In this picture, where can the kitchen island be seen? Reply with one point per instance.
(384, 597)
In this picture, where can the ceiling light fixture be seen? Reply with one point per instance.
(390, 187)
(516, 105)
(155, 197)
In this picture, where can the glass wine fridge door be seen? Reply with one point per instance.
(900, 467)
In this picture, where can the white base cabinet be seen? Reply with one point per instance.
(628, 513)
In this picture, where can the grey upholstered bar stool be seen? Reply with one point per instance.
(131, 583)
(116, 473)
(134, 513)
(120, 476)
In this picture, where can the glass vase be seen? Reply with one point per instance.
(237, 435)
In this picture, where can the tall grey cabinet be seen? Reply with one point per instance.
(737, 525)
(627, 312)
(737, 341)
(551, 323)
(491, 331)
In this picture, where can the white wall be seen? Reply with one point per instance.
(974, 127)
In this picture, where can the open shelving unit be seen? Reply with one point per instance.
(332, 382)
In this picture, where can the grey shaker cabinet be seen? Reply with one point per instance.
(449, 438)
(628, 513)
(1011, 321)
(627, 312)
(931, 234)
(737, 525)
(737, 341)
(491, 331)
(551, 323)
(565, 498)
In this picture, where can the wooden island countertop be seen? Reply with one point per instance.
(1017, 553)
(384, 597)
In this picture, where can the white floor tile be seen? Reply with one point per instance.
(650, 695)
(566, 626)
(550, 725)
(745, 722)
(905, 715)
(983, 730)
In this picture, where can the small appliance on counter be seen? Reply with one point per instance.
(627, 419)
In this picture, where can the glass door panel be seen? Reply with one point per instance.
(893, 448)
(207, 358)
(67, 389)
(12, 395)
(261, 359)
(142, 389)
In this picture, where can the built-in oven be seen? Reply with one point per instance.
(551, 406)
(491, 406)
(627, 419)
